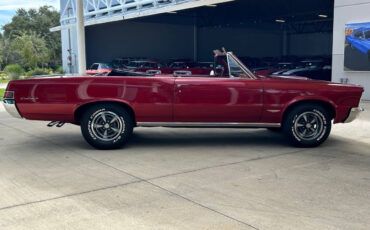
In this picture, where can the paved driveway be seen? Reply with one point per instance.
(182, 179)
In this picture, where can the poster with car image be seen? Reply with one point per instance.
(357, 47)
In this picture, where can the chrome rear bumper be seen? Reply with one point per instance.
(11, 108)
(353, 114)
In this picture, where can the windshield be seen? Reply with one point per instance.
(359, 34)
(105, 66)
(237, 68)
(94, 66)
(228, 65)
(367, 34)
(135, 64)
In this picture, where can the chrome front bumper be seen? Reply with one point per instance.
(11, 108)
(353, 114)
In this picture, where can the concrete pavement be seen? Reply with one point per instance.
(183, 179)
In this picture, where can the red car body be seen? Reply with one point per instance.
(176, 99)
(168, 100)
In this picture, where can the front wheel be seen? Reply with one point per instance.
(307, 125)
(106, 126)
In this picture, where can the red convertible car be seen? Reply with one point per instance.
(108, 108)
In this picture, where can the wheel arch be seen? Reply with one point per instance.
(327, 104)
(83, 107)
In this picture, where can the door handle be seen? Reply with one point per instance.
(181, 85)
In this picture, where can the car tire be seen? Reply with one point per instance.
(106, 126)
(307, 125)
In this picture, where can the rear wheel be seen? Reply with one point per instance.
(307, 125)
(106, 126)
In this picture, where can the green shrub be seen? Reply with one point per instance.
(2, 93)
(39, 71)
(14, 71)
(59, 70)
(3, 76)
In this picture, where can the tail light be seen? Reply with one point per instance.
(8, 95)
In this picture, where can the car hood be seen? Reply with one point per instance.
(305, 80)
(366, 42)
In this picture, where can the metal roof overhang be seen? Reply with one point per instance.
(177, 6)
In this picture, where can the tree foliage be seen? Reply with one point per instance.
(33, 50)
(27, 41)
(14, 71)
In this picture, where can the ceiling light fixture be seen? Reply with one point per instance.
(211, 5)
(322, 15)
(280, 20)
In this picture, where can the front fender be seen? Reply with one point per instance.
(320, 99)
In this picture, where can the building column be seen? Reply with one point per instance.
(195, 38)
(80, 28)
(285, 45)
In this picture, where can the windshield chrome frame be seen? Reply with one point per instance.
(230, 55)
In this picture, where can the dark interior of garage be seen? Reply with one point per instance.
(260, 32)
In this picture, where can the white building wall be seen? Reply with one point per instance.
(65, 53)
(65, 45)
(346, 12)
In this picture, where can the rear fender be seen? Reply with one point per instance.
(102, 100)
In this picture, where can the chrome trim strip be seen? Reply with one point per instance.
(182, 72)
(11, 108)
(353, 114)
(208, 125)
(273, 110)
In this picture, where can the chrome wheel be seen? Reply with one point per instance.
(308, 125)
(107, 126)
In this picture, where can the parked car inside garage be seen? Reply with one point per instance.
(99, 68)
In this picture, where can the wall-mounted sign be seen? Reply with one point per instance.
(357, 47)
